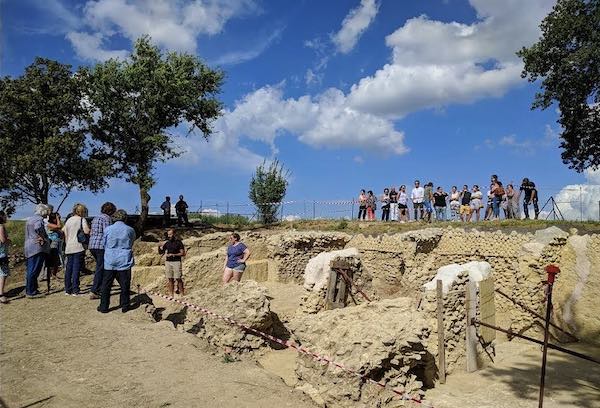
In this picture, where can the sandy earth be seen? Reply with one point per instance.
(59, 352)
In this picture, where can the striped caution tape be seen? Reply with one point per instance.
(292, 345)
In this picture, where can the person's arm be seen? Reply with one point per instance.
(3, 237)
(86, 227)
(245, 255)
(181, 251)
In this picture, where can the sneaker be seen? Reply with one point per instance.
(94, 296)
(36, 296)
(78, 294)
(68, 294)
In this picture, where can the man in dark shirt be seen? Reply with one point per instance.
(174, 250)
(530, 196)
(166, 207)
(465, 204)
(439, 202)
(181, 210)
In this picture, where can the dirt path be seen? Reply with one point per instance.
(59, 352)
(513, 381)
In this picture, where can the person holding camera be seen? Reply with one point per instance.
(76, 232)
(174, 250)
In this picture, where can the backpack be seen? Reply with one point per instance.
(82, 237)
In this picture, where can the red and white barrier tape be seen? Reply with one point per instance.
(292, 345)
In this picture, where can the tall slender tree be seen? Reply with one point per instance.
(139, 101)
(45, 151)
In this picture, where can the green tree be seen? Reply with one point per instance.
(267, 189)
(567, 59)
(140, 100)
(45, 150)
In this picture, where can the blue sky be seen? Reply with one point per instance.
(347, 94)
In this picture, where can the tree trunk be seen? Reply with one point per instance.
(144, 200)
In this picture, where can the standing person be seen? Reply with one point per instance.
(476, 202)
(362, 205)
(371, 206)
(465, 204)
(394, 204)
(76, 231)
(4, 267)
(166, 207)
(37, 246)
(235, 262)
(53, 230)
(174, 250)
(182, 212)
(454, 204)
(417, 195)
(403, 203)
(385, 205)
(118, 260)
(489, 212)
(439, 201)
(498, 192)
(96, 246)
(427, 200)
(513, 201)
(530, 196)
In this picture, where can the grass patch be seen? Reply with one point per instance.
(16, 233)
(227, 219)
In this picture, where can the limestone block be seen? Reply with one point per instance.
(256, 270)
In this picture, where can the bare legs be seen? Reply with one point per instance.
(230, 275)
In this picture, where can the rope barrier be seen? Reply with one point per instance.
(292, 345)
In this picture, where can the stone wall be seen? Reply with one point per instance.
(290, 252)
(385, 340)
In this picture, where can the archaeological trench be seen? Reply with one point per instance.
(392, 338)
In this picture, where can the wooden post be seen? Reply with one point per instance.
(441, 346)
(471, 338)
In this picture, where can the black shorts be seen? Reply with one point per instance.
(52, 259)
(402, 206)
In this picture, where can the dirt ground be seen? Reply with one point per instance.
(60, 352)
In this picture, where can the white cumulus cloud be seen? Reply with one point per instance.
(354, 25)
(437, 63)
(171, 24)
(581, 201)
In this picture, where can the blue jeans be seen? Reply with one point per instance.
(496, 206)
(34, 267)
(73, 270)
(440, 213)
(98, 255)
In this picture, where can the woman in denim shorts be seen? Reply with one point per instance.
(235, 263)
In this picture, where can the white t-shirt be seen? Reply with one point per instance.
(72, 246)
(417, 194)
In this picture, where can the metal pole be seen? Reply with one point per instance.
(314, 210)
(536, 341)
(552, 271)
(352, 211)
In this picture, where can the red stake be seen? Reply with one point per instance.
(552, 271)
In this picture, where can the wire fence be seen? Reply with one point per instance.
(580, 203)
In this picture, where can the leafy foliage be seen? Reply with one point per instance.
(45, 149)
(267, 189)
(567, 59)
(140, 100)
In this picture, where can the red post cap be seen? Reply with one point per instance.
(552, 271)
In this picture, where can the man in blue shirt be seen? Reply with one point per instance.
(118, 260)
(96, 246)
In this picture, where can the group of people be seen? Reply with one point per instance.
(50, 243)
(181, 210)
(465, 204)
